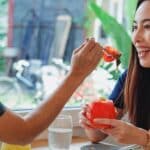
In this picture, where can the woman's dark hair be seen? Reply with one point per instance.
(137, 90)
(139, 2)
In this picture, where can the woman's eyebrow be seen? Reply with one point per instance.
(143, 21)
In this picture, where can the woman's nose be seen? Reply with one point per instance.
(137, 35)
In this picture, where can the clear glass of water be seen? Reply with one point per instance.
(60, 133)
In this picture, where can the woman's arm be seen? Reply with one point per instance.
(17, 130)
(124, 132)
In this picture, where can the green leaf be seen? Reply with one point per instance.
(130, 7)
(107, 66)
(115, 75)
(3, 2)
(2, 36)
(115, 31)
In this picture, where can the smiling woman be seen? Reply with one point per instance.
(131, 93)
(84, 61)
(141, 34)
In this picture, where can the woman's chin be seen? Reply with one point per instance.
(145, 64)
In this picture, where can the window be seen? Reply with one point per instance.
(34, 67)
(30, 48)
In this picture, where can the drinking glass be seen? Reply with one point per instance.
(6, 146)
(60, 133)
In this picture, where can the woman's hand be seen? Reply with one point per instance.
(83, 121)
(124, 132)
(93, 134)
(86, 58)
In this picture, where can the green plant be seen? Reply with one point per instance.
(117, 32)
(89, 22)
(130, 6)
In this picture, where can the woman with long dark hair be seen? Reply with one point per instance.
(132, 91)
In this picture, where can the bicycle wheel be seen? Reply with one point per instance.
(10, 91)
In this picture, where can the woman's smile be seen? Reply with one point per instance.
(142, 54)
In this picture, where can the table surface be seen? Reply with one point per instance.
(77, 142)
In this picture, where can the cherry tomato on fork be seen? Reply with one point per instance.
(110, 54)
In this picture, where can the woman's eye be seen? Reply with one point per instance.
(147, 26)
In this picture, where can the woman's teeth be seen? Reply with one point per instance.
(143, 53)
